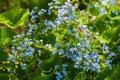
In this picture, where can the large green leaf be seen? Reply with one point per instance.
(104, 74)
(36, 73)
(47, 38)
(39, 3)
(4, 76)
(116, 73)
(3, 55)
(46, 77)
(47, 65)
(6, 35)
(116, 18)
(110, 35)
(13, 77)
(107, 74)
(100, 26)
(15, 17)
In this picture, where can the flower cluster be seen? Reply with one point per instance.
(105, 2)
(63, 73)
(74, 40)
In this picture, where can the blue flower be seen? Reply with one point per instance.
(58, 75)
(112, 54)
(105, 48)
(105, 2)
(118, 48)
(50, 4)
(65, 65)
(42, 11)
(57, 66)
(30, 49)
(49, 12)
(14, 51)
(29, 54)
(22, 55)
(108, 62)
(72, 16)
(113, 2)
(19, 48)
(64, 73)
(102, 11)
(61, 51)
(24, 66)
(13, 59)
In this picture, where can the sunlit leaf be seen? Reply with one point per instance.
(112, 34)
(6, 35)
(15, 17)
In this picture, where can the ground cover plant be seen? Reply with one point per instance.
(59, 39)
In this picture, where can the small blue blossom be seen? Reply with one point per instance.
(57, 67)
(12, 71)
(58, 75)
(112, 54)
(65, 65)
(29, 53)
(14, 51)
(64, 73)
(116, 12)
(22, 55)
(72, 49)
(50, 4)
(118, 48)
(24, 66)
(102, 11)
(61, 51)
(42, 11)
(105, 48)
(72, 16)
(49, 12)
(105, 2)
(19, 48)
(13, 59)
(30, 49)
(108, 62)
(113, 2)
(32, 12)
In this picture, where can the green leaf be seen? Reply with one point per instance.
(47, 38)
(110, 35)
(14, 17)
(101, 26)
(115, 73)
(6, 65)
(4, 76)
(46, 65)
(104, 74)
(15, 3)
(6, 35)
(116, 18)
(61, 33)
(46, 54)
(46, 77)
(115, 37)
(13, 77)
(36, 73)
(39, 3)
(3, 55)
